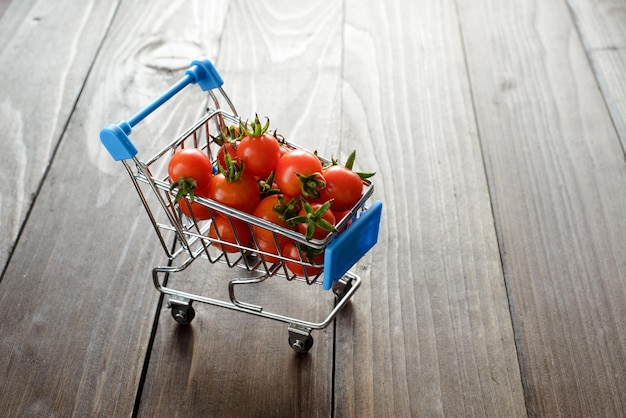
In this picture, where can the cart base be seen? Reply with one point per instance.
(300, 339)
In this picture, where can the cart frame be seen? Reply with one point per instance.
(357, 231)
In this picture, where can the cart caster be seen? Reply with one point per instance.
(341, 288)
(301, 345)
(181, 310)
(183, 314)
(300, 340)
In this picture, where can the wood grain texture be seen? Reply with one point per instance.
(430, 335)
(4, 4)
(232, 364)
(78, 289)
(284, 62)
(48, 49)
(498, 284)
(603, 33)
(556, 174)
(286, 66)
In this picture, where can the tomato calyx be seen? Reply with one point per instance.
(256, 129)
(231, 135)
(280, 139)
(313, 218)
(185, 186)
(266, 186)
(311, 185)
(233, 168)
(350, 163)
(310, 253)
(287, 210)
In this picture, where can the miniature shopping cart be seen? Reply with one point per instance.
(355, 233)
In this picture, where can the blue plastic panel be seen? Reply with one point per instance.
(352, 244)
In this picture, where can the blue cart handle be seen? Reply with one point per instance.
(115, 137)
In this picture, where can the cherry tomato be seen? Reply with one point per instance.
(259, 152)
(230, 230)
(299, 173)
(242, 194)
(267, 210)
(200, 212)
(289, 250)
(268, 247)
(190, 163)
(340, 215)
(344, 186)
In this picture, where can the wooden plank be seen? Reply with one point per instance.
(4, 4)
(78, 292)
(430, 334)
(284, 63)
(228, 363)
(603, 33)
(39, 86)
(556, 173)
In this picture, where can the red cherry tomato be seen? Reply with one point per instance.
(266, 210)
(268, 247)
(200, 212)
(289, 250)
(260, 154)
(190, 163)
(303, 163)
(258, 149)
(230, 230)
(242, 194)
(344, 186)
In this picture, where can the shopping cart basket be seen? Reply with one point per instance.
(355, 233)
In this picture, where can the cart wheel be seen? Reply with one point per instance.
(301, 344)
(183, 314)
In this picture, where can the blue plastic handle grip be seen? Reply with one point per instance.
(115, 137)
(352, 244)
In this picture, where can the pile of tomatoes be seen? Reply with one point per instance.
(257, 173)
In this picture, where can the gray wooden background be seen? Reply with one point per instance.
(497, 131)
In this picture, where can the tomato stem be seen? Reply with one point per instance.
(350, 164)
(233, 168)
(231, 135)
(266, 186)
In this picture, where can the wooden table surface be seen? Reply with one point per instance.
(497, 130)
